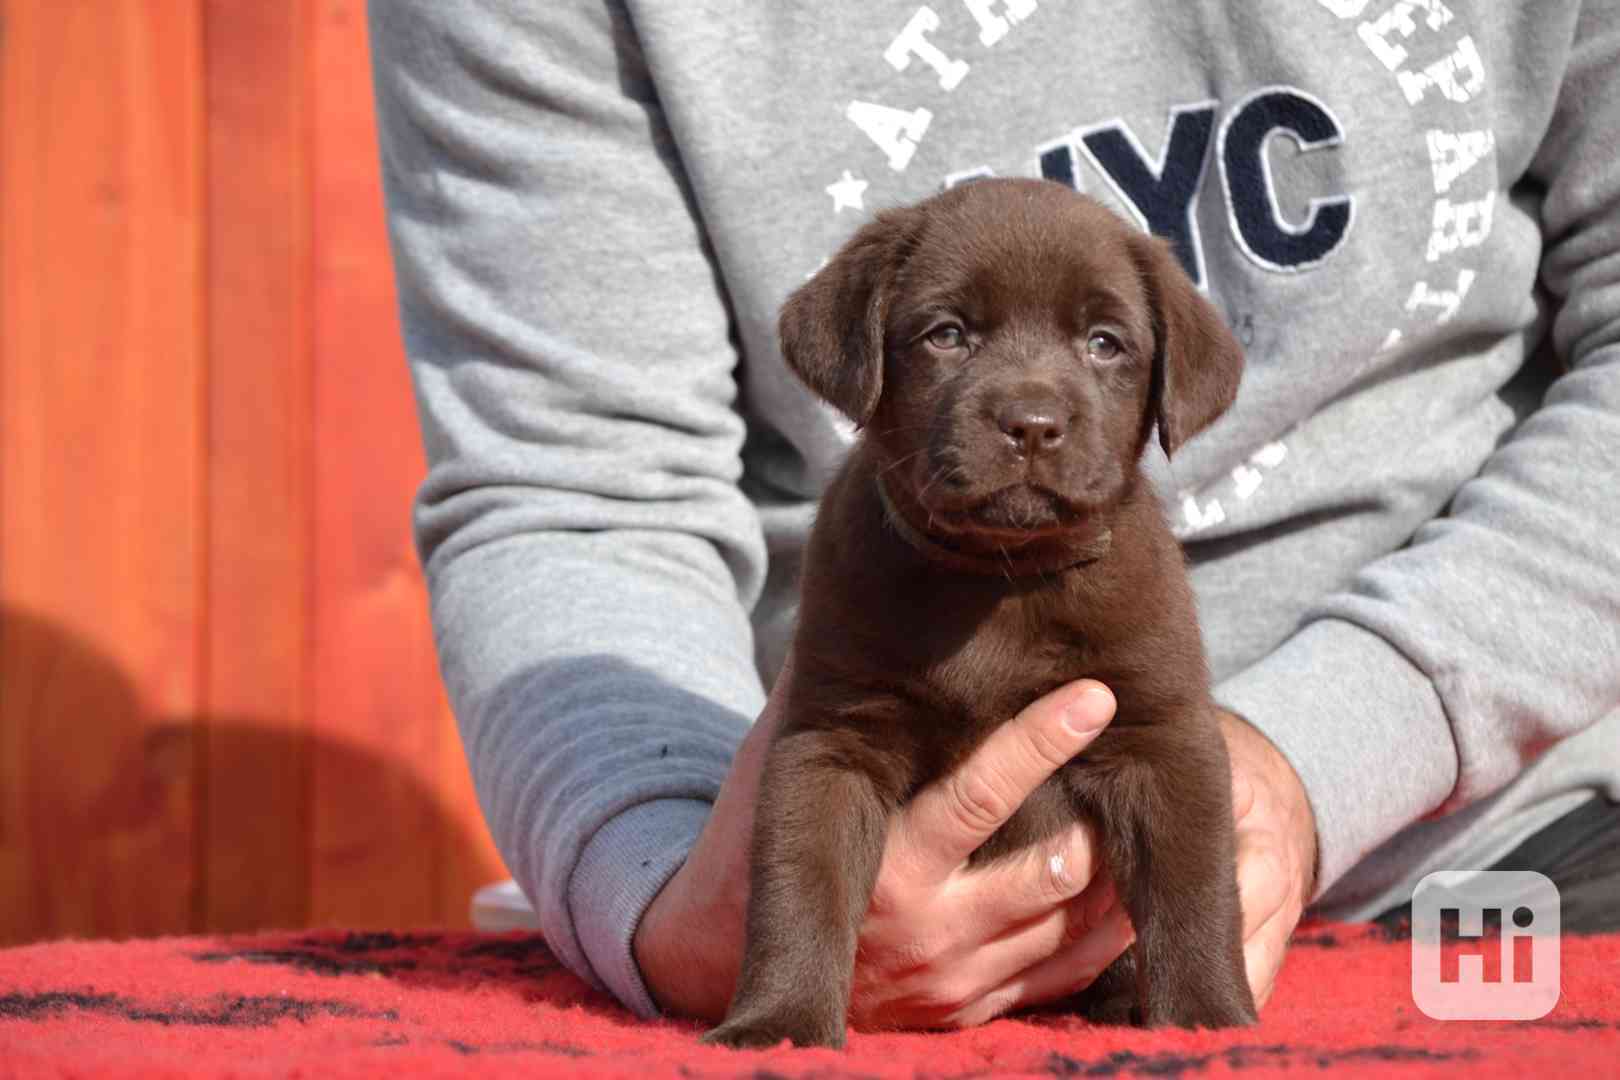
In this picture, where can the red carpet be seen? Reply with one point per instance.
(340, 1004)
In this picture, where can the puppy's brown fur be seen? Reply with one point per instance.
(1008, 347)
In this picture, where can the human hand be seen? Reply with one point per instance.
(1276, 849)
(942, 945)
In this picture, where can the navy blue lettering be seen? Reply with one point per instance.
(1057, 163)
(1162, 194)
(1256, 220)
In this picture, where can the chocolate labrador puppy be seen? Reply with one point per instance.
(1007, 347)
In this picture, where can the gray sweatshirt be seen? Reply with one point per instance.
(1401, 538)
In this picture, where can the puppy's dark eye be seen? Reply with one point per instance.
(947, 338)
(1102, 346)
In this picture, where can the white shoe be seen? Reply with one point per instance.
(502, 906)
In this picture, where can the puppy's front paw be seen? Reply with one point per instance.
(1117, 1009)
(758, 1032)
(1213, 1010)
(1111, 999)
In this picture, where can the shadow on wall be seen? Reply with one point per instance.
(117, 823)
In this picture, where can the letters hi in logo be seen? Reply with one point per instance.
(1485, 945)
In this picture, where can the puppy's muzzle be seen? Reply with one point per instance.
(1034, 423)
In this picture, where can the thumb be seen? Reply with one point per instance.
(951, 817)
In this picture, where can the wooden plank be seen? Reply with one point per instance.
(396, 841)
(100, 466)
(469, 858)
(260, 468)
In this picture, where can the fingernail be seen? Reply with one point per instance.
(1120, 930)
(1089, 712)
(1099, 905)
(1061, 878)
(1103, 945)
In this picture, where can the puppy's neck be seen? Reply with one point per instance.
(1040, 557)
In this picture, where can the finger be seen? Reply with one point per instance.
(941, 993)
(1262, 883)
(1263, 952)
(1056, 928)
(1242, 795)
(951, 817)
(1059, 975)
(996, 962)
(1035, 882)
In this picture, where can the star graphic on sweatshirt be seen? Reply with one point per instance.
(847, 192)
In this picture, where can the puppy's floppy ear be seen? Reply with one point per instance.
(1197, 363)
(832, 327)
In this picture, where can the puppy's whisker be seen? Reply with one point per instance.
(897, 462)
(923, 492)
(948, 470)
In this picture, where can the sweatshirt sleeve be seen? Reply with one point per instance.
(589, 555)
(1443, 669)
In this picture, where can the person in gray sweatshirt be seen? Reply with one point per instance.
(1401, 537)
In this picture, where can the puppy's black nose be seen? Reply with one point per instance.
(1033, 425)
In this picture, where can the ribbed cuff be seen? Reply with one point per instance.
(618, 873)
(1362, 726)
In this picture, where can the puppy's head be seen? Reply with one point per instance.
(1008, 346)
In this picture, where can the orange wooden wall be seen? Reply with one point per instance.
(219, 707)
